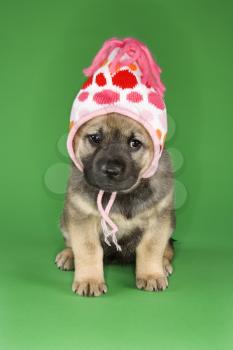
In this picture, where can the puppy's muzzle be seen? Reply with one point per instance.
(111, 169)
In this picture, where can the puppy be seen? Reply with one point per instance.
(115, 150)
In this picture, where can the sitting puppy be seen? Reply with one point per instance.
(119, 201)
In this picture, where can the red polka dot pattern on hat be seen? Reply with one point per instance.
(156, 100)
(83, 96)
(87, 83)
(106, 96)
(134, 97)
(100, 79)
(124, 79)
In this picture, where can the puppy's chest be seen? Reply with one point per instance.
(129, 235)
(128, 242)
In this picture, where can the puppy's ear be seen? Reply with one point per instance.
(81, 146)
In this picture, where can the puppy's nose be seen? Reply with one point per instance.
(112, 168)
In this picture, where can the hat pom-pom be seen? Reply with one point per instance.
(136, 52)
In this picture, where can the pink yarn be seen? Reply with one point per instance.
(138, 53)
(106, 219)
(108, 46)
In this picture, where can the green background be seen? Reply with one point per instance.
(44, 46)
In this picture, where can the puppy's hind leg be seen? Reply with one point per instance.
(65, 259)
(167, 258)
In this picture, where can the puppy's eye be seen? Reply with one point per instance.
(95, 138)
(134, 143)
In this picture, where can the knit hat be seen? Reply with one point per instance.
(123, 78)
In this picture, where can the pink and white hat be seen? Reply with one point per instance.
(123, 78)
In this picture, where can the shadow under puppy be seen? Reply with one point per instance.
(119, 201)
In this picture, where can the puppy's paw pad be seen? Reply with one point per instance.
(89, 288)
(152, 283)
(65, 260)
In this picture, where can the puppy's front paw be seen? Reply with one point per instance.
(89, 288)
(152, 283)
